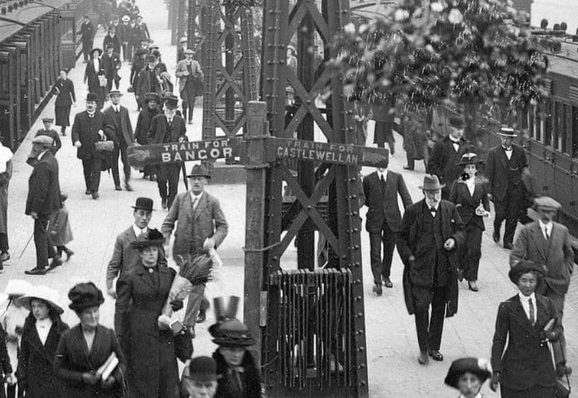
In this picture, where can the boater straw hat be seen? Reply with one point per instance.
(42, 293)
(507, 132)
(183, 39)
(431, 183)
(188, 51)
(523, 267)
(85, 295)
(479, 366)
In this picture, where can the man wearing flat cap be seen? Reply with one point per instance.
(547, 242)
(43, 200)
(190, 78)
(446, 155)
(431, 232)
(505, 165)
(183, 45)
(50, 132)
(201, 225)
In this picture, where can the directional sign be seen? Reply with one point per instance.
(142, 155)
(324, 152)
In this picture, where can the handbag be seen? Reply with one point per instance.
(102, 81)
(183, 345)
(104, 146)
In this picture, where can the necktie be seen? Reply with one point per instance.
(194, 203)
(546, 233)
(532, 316)
(382, 184)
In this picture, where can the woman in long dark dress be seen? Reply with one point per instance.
(94, 69)
(150, 352)
(65, 98)
(526, 321)
(86, 347)
(40, 336)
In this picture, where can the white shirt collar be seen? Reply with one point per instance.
(138, 231)
(429, 205)
(382, 174)
(197, 197)
(42, 154)
(507, 149)
(525, 299)
(547, 226)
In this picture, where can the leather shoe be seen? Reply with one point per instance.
(56, 262)
(436, 355)
(423, 359)
(408, 168)
(460, 274)
(387, 283)
(5, 256)
(202, 317)
(95, 195)
(377, 289)
(118, 188)
(508, 246)
(473, 286)
(35, 271)
(69, 253)
(164, 203)
(496, 236)
(87, 192)
(127, 187)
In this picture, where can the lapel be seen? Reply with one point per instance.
(539, 240)
(203, 202)
(520, 314)
(143, 277)
(553, 237)
(503, 158)
(165, 277)
(83, 345)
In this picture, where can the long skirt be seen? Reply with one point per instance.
(62, 115)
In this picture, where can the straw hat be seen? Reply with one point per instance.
(43, 293)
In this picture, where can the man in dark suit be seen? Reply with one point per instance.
(88, 129)
(149, 80)
(165, 128)
(547, 243)
(117, 124)
(87, 32)
(125, 257)
(446, 155)
(504, 167)
(111, 63)
(431, 231)
(112, 38)
(43, 200)
(201, 225)
(381, 189)
(142, 29)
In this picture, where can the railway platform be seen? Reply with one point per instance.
(391, 339)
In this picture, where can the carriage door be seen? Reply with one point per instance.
(7, 95)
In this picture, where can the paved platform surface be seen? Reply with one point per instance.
(391, 340)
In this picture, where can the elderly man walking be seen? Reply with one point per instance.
(431, 233)
(201, 225)
(547, 243)
(43, 200)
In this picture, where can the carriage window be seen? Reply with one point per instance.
(532, 121)
(547, 133)
(560, 125)
(4, 79)
(574, 131)
(563, 134)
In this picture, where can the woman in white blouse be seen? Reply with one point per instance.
(40, 337)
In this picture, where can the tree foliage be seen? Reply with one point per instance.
(452, 51)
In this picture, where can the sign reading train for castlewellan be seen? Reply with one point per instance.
(142, 155)
(326, 152)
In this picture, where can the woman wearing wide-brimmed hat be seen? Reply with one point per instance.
(468, 375)
(93, 75)
(40, 337)
(150, 351)
(527, 321)
(470, 194)
(85, 348)
(238, 374)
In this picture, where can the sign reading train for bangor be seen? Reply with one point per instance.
(141, 155)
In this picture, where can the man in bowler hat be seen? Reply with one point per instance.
(201, 225)
(504, 167)
(124, 256)
(431, 233)
(200, 378)
(43, 200)
(446, 155)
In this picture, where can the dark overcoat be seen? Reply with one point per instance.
(59, 228)
(384, 206)
(526, 362)
(251, 378)
(420, 272)
(111, 66)
(160, 125)
(85, 129)
(443, 161)
(44, 187)
(193, 227)
(66, 95)
(73, 359)
(36, 361)
(119, 128)
(87, 32)
(114, 40)
(91, 76)
(145, 83)
(150, 352)
(498, 168)
(143, 124)
(5, 366)
(467, 204)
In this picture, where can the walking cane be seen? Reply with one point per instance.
(27, 243)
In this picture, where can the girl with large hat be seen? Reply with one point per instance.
(521, 358)
(468, 375)
(40, 336)
(470, 194)
(236, 369)
(141, 295)
(85, 348)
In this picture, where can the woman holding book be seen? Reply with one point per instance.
(88, 359)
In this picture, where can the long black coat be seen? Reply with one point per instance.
(73, 359)
(114, 40)
(36, 361)
(498, 168)
(443, 162)
(85, 129)
(66, 94)
(150, 352)
(384, 207)
(5, 366)
(91, 76)
(421, 271)
(44, 187)
(251, 378)
(111, 66)
(87, 32)
(467, 204)
(143, 124)
(525, 362)
(120, 128)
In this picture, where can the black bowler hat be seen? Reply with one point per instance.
(153, 238)
(143, 203)
(85, 295)
(522, 268)
(456, 122)
(479, 366)
(199, 171)
(91, 97)
(202, 369)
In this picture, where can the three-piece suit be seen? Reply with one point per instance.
(118, 124)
